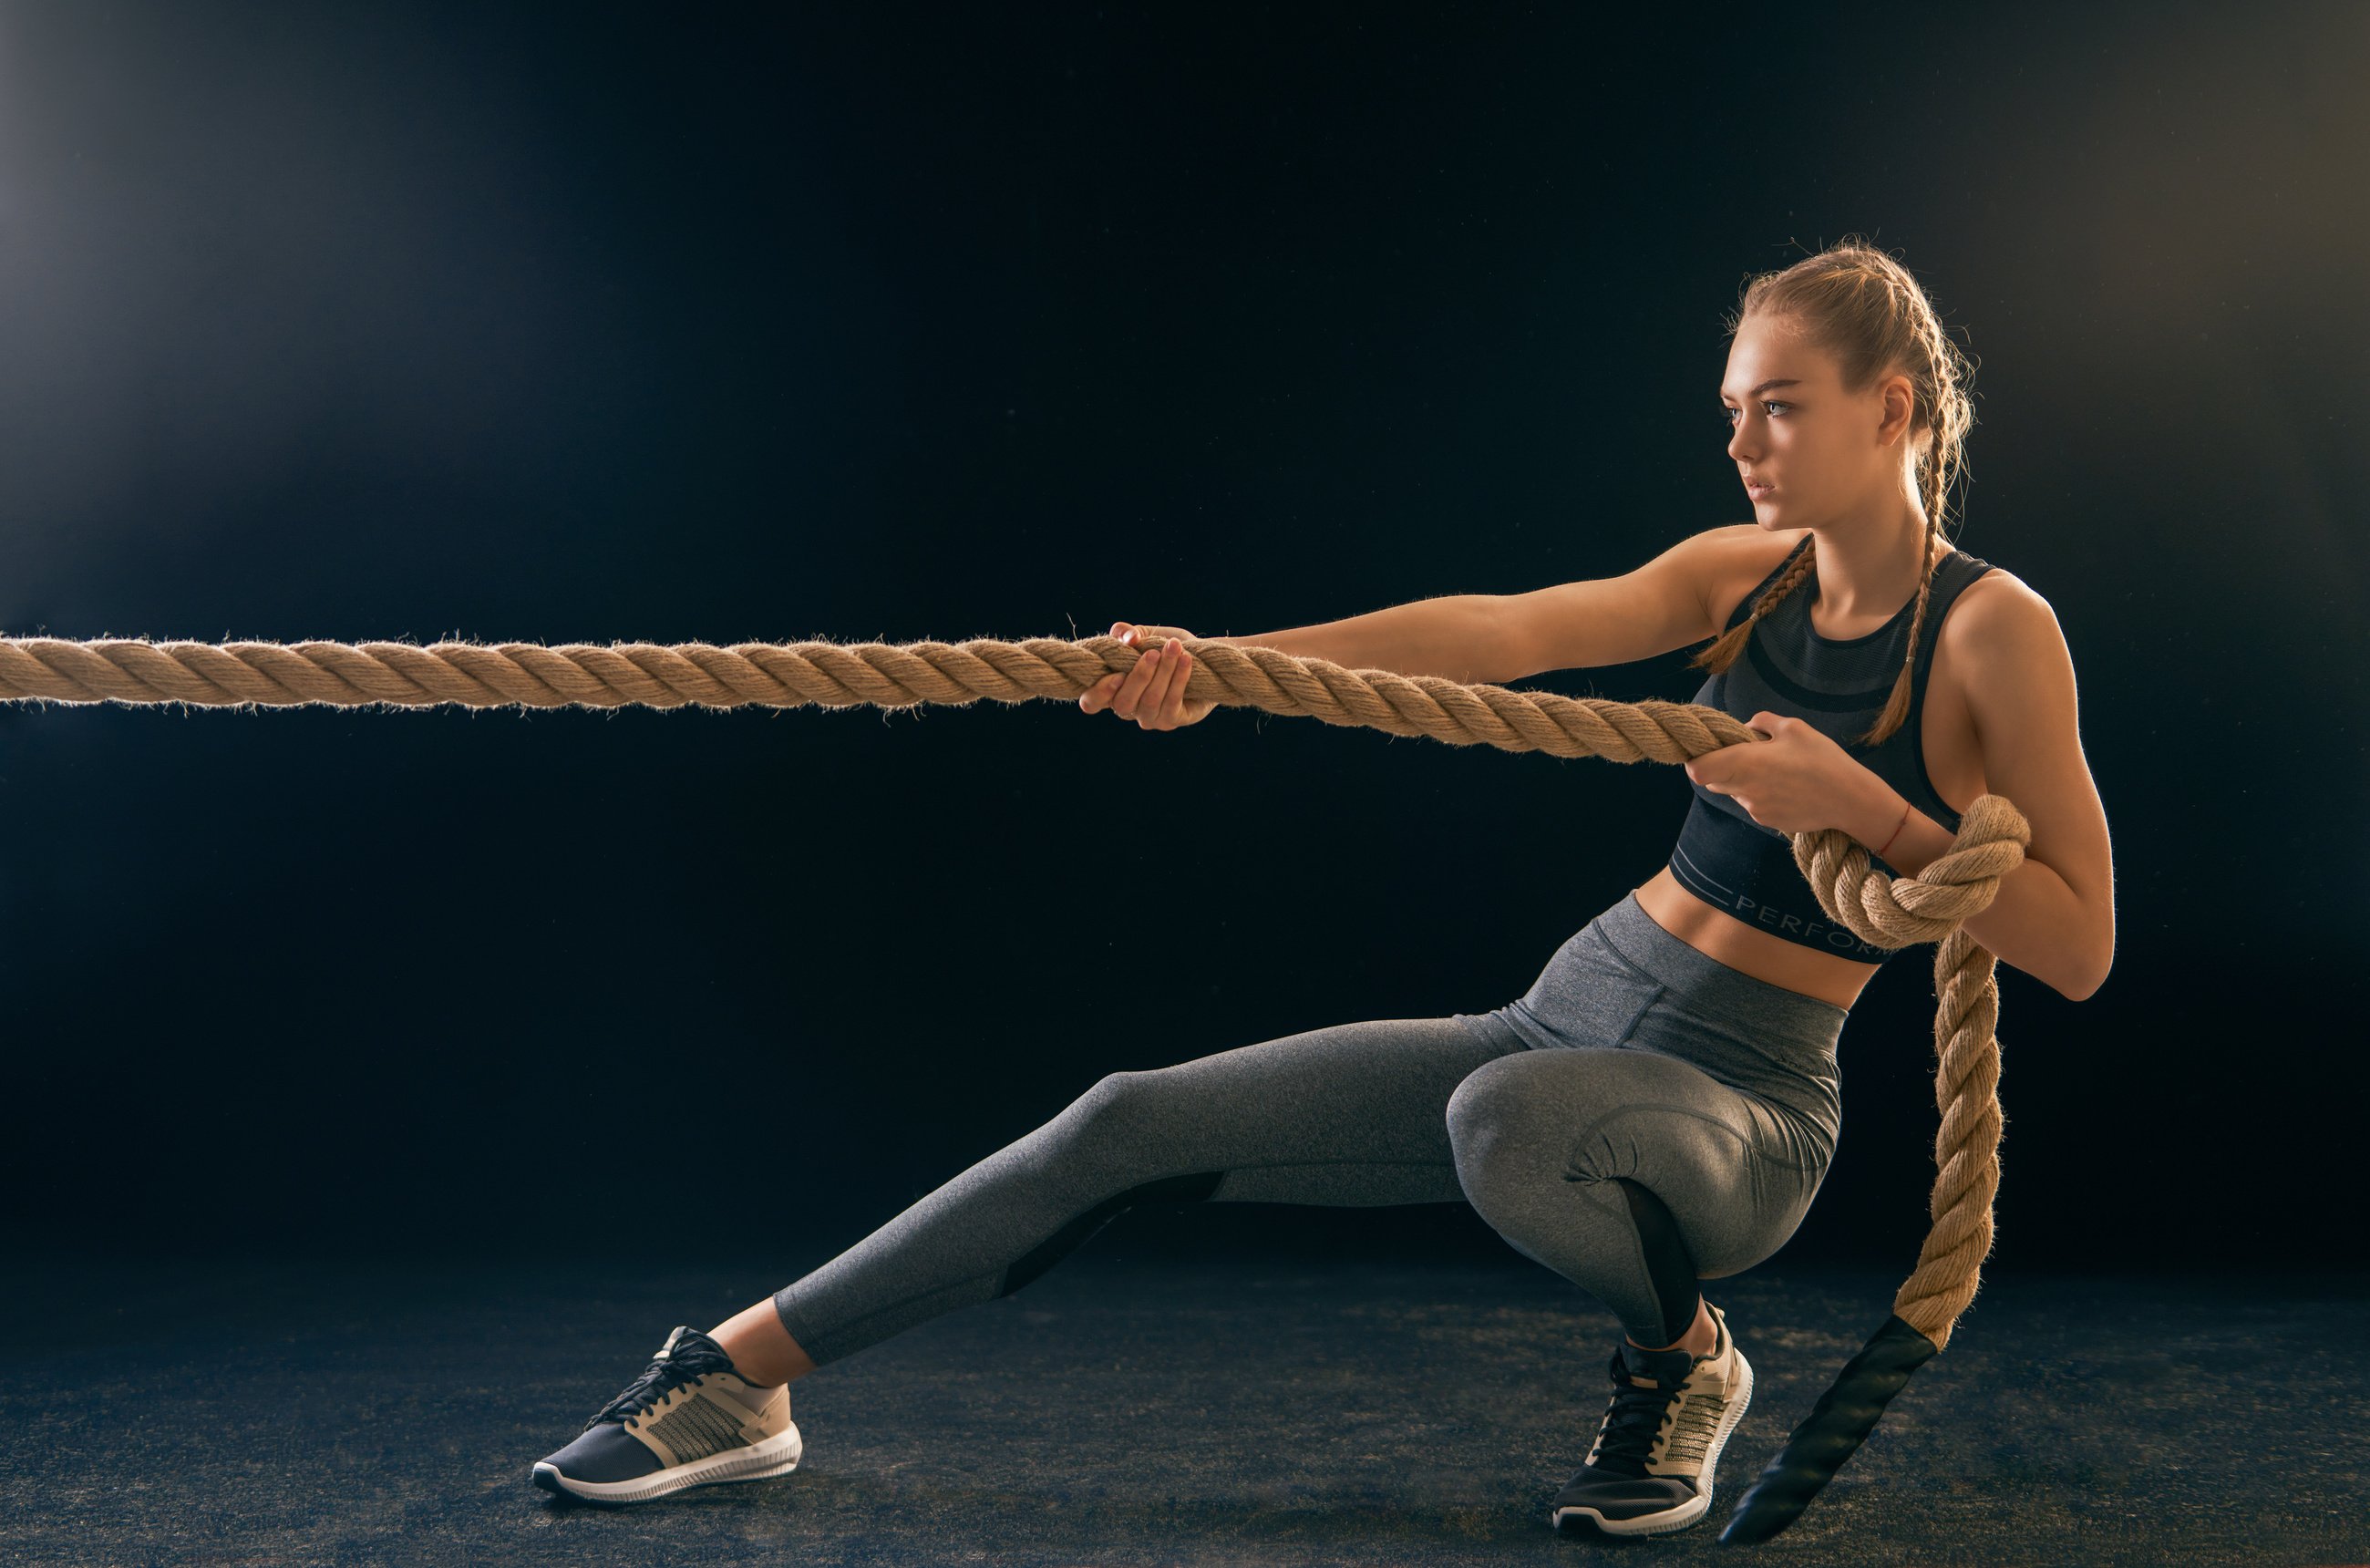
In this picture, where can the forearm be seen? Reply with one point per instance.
(1459, 637)
(2036, 922)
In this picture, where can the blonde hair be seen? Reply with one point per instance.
(1864, 309)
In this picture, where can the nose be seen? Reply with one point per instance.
(1739, 449)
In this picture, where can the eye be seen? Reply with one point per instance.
(1728, 415)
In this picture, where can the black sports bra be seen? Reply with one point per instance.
(1735, 864)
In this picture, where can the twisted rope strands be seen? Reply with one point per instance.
(1894, 912)
(835, 674)
(1889, 912)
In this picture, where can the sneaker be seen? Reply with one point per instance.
(688, 1420)
(1650, 1467)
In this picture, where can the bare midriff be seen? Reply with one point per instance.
(1750, 950)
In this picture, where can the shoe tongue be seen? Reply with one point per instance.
(1665, 1367)
(692, 1347)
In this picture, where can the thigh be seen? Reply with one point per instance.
(1370, 1093)
(1724, 1161)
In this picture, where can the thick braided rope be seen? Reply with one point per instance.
(1886, 911)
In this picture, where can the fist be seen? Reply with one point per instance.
(1152, 693)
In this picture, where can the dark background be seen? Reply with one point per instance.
(598, 323)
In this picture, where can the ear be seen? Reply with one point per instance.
(1897, 406)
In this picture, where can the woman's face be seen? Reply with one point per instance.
(1823, 452)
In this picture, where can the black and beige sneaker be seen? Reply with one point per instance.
(1650, 1467)
(688, 1420)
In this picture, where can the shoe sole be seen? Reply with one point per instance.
(777, 1454)
(1686, 1512)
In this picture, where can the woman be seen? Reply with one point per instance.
(1663, 1104)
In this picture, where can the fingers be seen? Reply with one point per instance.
(1131, 683)
(1152, 692)
(1098, 697)
(1147, 687)
(1119, 691)
(1168, 706)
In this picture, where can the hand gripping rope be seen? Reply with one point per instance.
(1888, 912)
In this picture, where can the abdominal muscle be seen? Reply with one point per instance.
(1750, 950)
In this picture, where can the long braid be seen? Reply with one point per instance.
(1897, 707)
(1944, 420)
(1805, 559)
(1724, 650)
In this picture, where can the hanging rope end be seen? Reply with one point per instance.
(1831, 1433)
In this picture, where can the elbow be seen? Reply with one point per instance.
(2085, 985)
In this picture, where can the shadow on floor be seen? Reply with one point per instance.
(1133, 1408)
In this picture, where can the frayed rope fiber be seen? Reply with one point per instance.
(1889, 912)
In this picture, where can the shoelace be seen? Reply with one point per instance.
(695, 1356)
(1634, 1422)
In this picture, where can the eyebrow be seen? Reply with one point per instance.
(1780, 381)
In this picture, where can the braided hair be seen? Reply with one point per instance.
(1864, 309)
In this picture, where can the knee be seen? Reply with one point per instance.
(1477, 1108)
(1114, 1118)
(1508, 1124)
(1113, 1097)
(1497, 1131)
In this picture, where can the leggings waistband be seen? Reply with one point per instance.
(1703, 982)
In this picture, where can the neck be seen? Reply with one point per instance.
(1868, 568)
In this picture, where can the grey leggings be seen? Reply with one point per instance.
(1643, 1117)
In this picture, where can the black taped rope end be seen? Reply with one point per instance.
(1831, 1433)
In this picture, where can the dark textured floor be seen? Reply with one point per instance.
(1128, 1409)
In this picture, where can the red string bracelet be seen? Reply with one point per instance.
(1896, 827)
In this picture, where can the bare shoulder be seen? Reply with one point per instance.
(1997, 616)
(1730, 561)
(2001, 648)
